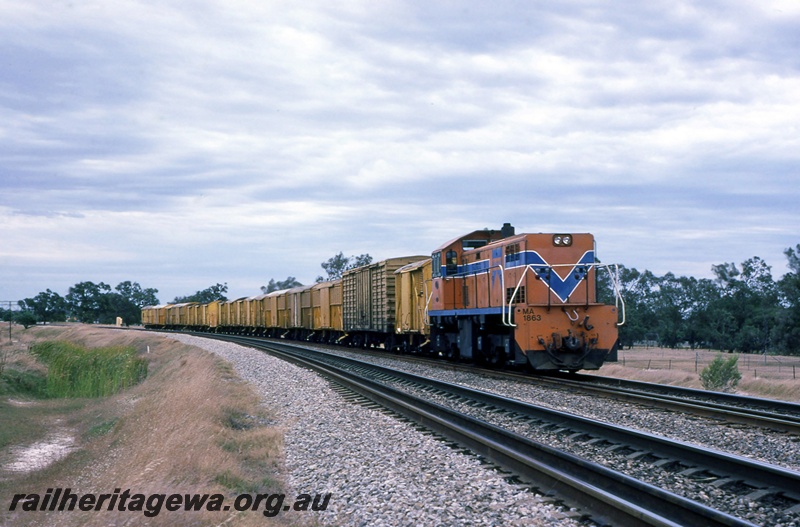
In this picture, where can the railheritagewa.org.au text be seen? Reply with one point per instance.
(63, 499)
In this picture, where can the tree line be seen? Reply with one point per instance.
(85, 302)
(741, 309)
(98, 304)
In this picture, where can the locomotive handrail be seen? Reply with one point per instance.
(617, 293)
(427, 302)
(502, 297)
(614, 282)
(514, 294)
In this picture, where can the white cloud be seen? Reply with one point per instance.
(137, 137)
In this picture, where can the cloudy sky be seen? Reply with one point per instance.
(180, 144)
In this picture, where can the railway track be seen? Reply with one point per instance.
(770, 414)
(766, 413)
(495, 427)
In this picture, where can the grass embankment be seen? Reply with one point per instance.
(190, 426)
(75, 371)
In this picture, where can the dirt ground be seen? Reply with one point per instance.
(191, 427)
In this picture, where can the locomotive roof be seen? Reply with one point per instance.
(492, 237)
(488, 235)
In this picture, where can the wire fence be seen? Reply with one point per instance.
(750, 365)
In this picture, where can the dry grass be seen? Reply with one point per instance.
(190, 427)
(776, 377)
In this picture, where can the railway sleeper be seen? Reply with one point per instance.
(774, 498)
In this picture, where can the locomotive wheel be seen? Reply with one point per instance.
(495, 357)
(451, 352)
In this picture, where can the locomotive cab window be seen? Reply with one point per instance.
(436, 264)
(473, 244)
(451, 263)
(512, 253)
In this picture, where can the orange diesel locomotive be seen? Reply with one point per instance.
(490, 297)
(499, 297)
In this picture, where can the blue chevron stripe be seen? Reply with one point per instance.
(561, 287)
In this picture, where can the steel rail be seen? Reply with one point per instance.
(769, 405)
(773, 414)
(607, 494)
(759, 413)
(755, 473)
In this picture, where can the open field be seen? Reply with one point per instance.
(190, 427)
(771, 376)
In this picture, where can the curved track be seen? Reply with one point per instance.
(765, 413)
(606, 494)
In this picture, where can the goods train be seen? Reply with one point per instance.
(492, 297)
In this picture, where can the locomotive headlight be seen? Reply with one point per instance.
(562, 240)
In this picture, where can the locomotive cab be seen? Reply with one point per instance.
(525, 299)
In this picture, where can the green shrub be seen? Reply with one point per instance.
(721, 374)
(74, 371)
(24, 383)
(26, 319)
